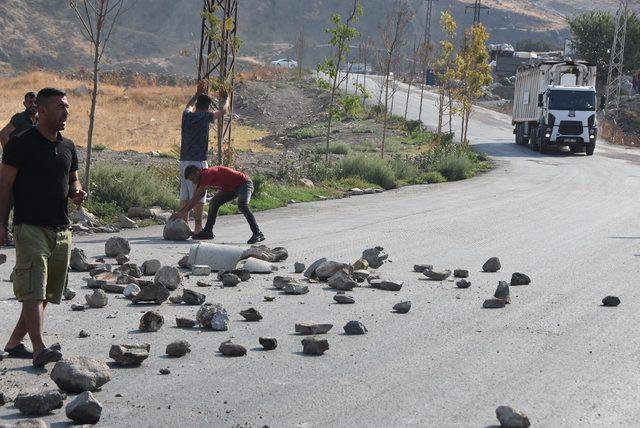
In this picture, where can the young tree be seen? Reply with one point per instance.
(97, 22)
(341, 33)
(393, 38)
(300, 48)
(412, 75)
(473, 72)
(444, 64)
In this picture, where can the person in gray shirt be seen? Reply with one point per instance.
(196, 118)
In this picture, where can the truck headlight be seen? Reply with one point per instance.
(547, 135)
(592, 137)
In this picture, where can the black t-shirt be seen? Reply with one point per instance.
(21, 122)
(41, 188)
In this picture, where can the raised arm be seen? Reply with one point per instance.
(201, 89)
(197, 197)
(6, 133)
(225, 107)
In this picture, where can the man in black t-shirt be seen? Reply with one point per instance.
(40, 161)
(21, 121)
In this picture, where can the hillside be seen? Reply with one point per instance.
(150, 37)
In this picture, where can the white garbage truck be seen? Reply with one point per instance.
(555, 105)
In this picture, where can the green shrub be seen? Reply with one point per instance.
(304, 133)
(106, 211)
(431, 177)
(99, 148)
(413, 126)
(259, 182)
(404, 169)
(351, 106)
(127, 186)
(455, 168)
(335, 148)
(371, 169)
(348, 183)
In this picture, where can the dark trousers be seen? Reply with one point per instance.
(243, 193)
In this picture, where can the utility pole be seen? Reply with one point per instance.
(477, 7)
(217, 61)
(427, 46)
(614, 78)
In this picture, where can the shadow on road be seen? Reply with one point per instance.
(513, 150)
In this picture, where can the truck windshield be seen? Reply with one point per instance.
(572, 100)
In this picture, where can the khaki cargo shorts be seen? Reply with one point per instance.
(42, 262)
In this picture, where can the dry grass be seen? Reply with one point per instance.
(142, 119)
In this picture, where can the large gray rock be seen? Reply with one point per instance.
(131, 291)
(179, 348)
(354, 328)
(494, 304)
(329, 268)
(229, 349)
(151, 322)
(243, 274)
(280, 282)
(295, 289)
(141, 212)
(311, 270)
(185, 323)
(502, 292)
(437, 275)
(299, 267)
(422, 267)
(307, 327)
(168, 276)
(518, 278)
(130, 269)
(375, 256)
(492, 265)
(176, 230)
(113, 288)
(156, 293)
(125, 222)
(122, 259)
(461, 273)
(115, 246)
(213, 316)
(314, 346)
(97, 300)
(251, 314)
(611, 301)
(344, 299)
(190, 297)
(79, 374)
(512, 418)
(254, 265)
(150, 267)
(129, 355)
(230, 280)
(79, 261)
(84, 217)
(268, 343)
(84, 409)
(402, 307)
(265, 253)
(39, 404)
(463, 283)
(342, 281)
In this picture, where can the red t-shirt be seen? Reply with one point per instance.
(225, 178)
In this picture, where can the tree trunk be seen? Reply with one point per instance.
(328, 136)
(406, 106)
(450, 111)
(92, 112)
(422, 83)
(386, 112)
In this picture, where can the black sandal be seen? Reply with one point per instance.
(46, 356)
(19, 351)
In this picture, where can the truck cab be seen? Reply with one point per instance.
(568, 118)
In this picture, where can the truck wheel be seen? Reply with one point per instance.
(534, 139)
(590, 148)
(519, 134)
(576, 149)
(542, 147)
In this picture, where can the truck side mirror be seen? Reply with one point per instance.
(540, 100)
(603, 102)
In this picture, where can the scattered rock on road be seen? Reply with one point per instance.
(492, 265)
(200, 270)
(150, 267)
(230, 280)
(129, 355)
(463, 283)
(185, 323)
(84, 409)
(382, 284)
(611, 301)
(151, 322)
(168, 276)
(190, 297)
(213, 316)
(165, 371)
(83, 334)
(131, 269)
(251, 314)
(279, 282)
(375, 256)
(179, 348)
(176, 230)
(437, 275)
(295, 289)
(461, 273)
(79, 374)
(307, 327)
(125, 222)
(39, 404)
(421, 268)
(494, 304)
(512, 418)
(354, 327)
(329, 268)
(299, 267)
(113, 288)
(115, 246)
(360, 275)
(122, 259)
(360, 264)
(268, 343)
(69, 294)
(78, 308)
(314, 346)
(243, 274)
(97, 300)
(343, 299)
(502, 292)
(520, 279)
(402, 307)
(131, 291)
(156, 293)
(311, 270)
(262, 252)
(342, 281)
(229, 349)
(79, 261)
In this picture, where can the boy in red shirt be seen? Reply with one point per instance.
(231, 184)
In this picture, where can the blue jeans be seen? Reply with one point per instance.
(243, 193)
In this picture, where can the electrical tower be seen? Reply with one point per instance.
(477, 7)
(217, 61)
(614, 78)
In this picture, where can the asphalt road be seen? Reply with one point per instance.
(569, 221)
